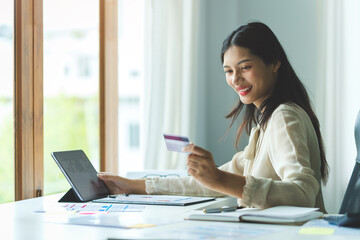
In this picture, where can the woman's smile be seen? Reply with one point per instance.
(243, 90)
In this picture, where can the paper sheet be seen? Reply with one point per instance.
(323, 227)
(91, 207)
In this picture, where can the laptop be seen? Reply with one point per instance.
(349, 213)
(86, 186)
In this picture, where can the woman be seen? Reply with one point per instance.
(284, 162)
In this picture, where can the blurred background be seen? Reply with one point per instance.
(171, 80)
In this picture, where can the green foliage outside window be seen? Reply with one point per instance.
(6, 152)
(69, 123)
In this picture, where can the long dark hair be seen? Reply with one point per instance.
(262, 42)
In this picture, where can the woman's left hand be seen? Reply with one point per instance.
(201, 166)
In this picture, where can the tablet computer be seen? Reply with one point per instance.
(81, 175)
(86, 186)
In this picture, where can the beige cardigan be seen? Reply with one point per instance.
(281, 165)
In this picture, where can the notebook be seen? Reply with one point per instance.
(86, 186)
(349, 213)
(278, 214)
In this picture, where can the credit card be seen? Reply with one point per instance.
(175, 143)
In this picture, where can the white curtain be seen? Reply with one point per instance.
(339, 93)
(170, 78)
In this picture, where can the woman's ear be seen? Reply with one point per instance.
(276, 66)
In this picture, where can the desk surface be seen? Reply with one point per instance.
(19, 221)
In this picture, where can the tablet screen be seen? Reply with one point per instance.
(81, 174)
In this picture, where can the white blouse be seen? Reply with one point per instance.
(281, 164)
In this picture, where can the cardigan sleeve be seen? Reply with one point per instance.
(287, 143)
(188, 185)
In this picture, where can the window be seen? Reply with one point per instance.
(65, 66)
(134, 134)
(71, 84)
(6, 101)
(131, 75)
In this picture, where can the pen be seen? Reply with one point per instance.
(114, 196)
(221, 209)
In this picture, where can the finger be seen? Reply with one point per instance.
(188, 147)
(105, 173)
(192, 172)
(196, 149)
(193, 164)
(112, 178)
(195, 161)
(196, 158)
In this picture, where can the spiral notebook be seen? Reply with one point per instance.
(278, 215)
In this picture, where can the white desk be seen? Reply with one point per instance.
(19, 221)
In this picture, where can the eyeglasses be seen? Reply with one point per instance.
(160, 175)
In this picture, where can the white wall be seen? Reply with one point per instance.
(217, 21)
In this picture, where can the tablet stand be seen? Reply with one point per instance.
(70, 196)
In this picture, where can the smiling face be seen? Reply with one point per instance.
(248, 75)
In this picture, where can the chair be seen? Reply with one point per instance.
(351, 202)
(349, 213)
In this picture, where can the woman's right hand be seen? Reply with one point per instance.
(120, 185)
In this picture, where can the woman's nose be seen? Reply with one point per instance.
(236, 78)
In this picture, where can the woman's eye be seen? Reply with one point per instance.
(245, 67)
(228, 71)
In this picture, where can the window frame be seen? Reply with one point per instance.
(108, 86)
(29, 100)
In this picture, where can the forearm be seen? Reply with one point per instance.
(137, 186)
(187, 186)
(229, 184)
